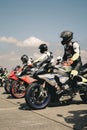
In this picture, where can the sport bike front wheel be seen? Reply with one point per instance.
(36, 97)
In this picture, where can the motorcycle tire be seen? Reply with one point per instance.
(7, 85)
(17, 90)
(34, 97)
(83, 95)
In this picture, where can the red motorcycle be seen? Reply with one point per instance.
(18, 88)
(11, 77)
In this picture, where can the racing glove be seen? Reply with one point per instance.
(69, 62)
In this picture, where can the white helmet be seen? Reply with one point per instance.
(59, 59)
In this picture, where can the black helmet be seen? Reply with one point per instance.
(24, 58)
(66, 36)
(43, 48)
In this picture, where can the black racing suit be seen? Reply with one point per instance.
(72, 51)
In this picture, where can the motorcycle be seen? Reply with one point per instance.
(10, 78)
(54, 87)
(18, 88)
(2, 80)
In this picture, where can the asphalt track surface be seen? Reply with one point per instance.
(16, 115)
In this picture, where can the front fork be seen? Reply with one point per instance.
(43, 92)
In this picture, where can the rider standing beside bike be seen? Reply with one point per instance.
(71, 52)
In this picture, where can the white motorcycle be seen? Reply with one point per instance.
(55, 86)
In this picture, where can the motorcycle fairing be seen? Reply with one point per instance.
(27, 79)
(50, 78)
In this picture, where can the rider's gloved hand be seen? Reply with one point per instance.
(73, 73)
(69, 62)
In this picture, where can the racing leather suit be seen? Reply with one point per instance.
(72, 51)
(46, 56)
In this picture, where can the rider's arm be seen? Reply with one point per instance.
(64, 56)
(25, 69)
(76, 50)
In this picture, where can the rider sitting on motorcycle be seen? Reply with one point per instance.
(71, 55)
(29, 62)
(46, 55)
(26, 64)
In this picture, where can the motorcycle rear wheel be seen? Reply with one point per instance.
(7, 85)
(36, 97)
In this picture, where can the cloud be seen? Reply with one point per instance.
(10, 60)
(8, 39)
(32, 41)
(29, 42)
(9, 56)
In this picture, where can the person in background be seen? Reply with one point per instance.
(1, 71)
(5, 71)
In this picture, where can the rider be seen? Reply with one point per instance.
(1, 71)
(26, 67)
(45, 55)
(71, 52)
(71, 55)
(24, 59)
(5, 71)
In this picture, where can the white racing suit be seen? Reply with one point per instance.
(44, 57)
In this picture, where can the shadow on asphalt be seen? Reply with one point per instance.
(24, 106)
(74, 102)
(77, 118)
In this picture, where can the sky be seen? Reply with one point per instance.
(25, 24)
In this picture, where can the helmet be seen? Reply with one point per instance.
(66, 36)
(59, 59)
(43, 48)
(24, 58)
